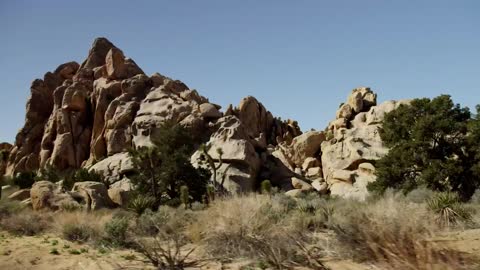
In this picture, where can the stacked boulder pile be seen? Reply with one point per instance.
(89, 115)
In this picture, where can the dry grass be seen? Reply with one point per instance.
(393, 233)
(390, 232)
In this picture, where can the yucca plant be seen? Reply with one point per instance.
(450, 211)
(141, 203)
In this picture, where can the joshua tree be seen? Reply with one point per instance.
(210, 162)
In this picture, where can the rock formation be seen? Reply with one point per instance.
(89, 115)
(348, 157)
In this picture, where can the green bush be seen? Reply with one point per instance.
(116, 232)
(24, 179)
(266, 187)
(48, 173)
(82, 175)
(433, 143)
(162, 169)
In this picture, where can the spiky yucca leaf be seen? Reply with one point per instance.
(141, 203)
(450, 211)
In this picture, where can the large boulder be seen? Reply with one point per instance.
(114, 168)
(47, 195)
(241, 162)
(94, 194)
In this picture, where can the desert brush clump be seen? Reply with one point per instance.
(25, 222)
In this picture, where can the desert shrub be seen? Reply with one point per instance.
(48, 173)
(166, 217)
(449, 210)
(82, 226)
(167, 251)
(139, 204)
(8, 208)
(287, 203)
(390, 232)
(70, 207)
(25, 223)
(81, 175)
(266, 187)
(284, 251)
(166, 246)
(24, 179)
(163, 168)
(116, 232)
(78, 232)
(227, 224)
(433, 143)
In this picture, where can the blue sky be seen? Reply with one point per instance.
(299, 58)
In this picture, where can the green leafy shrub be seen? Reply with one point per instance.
(24, 179)
(82, 175)
(162, 169)
(266, 187)
(433, 143)
(116, 232)
(48, 173)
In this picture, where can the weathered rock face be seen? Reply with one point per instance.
(80, 112)
(25, 153)
(348, 157)
(89, 115)
(114, 168)
(94, 195)
(171, 101)
(47, 195)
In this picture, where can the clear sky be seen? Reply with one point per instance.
(299, 58)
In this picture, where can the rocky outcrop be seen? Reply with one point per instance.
(47, 195)
(348, 157)
(94, 195)
(114, 168)
(90, 115)
(25, 153)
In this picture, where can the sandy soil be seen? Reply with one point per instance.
(20, 253)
